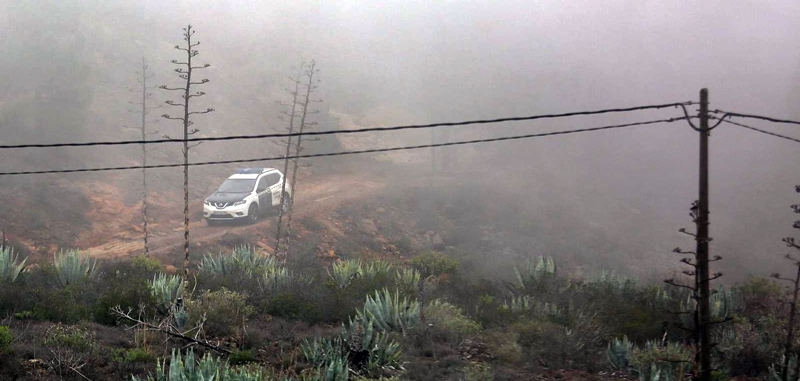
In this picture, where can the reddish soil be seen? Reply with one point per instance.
(121, 236)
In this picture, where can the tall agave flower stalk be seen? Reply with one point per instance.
(73, 266)
(10, 265)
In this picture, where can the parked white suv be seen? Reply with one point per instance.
(247, 194)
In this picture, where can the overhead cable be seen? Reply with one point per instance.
(331, 154)
(347, 131)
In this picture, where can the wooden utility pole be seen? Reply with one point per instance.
(702, 244)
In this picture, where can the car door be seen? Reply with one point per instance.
(275, 185)
(263, 192)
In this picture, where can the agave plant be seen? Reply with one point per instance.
(10, 266)
(389, 312)
(520, 304)
(321, 351)
(207, 368)
(775, 373)
(73, 266)
(336, 370)
(721, 305)
(166, 289)
(343, 272)
(619, 353)
(243, 260)
(275, 279)
(658, 362)
(375, 269)
(535, 273)
(407, 279)
(382, 353)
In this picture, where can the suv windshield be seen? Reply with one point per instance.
(237, 186)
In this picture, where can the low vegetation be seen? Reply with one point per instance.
(245, 316)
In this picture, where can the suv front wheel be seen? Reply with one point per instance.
(252, 214)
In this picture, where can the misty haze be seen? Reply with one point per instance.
(399, 190)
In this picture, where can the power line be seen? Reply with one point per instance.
(751, 116)
(347, 131)
(761, 131)
(330, 154)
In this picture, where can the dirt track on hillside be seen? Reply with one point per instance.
(318, 197)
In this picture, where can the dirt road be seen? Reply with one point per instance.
(318, 197)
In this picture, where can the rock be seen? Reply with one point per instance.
(380, 210)
(367, 226)
(264, 246)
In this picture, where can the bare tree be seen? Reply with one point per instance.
(698, 325)
(144, 109)
(789, 349)
(304, 104)
(291, 115)
(185, 72)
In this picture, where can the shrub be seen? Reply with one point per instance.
(147, 265)
(449, 323)
(434, 263)
(579, 343)
(5, 338)
(478, 372)
(69, 305)
(492, 313)
(224, 312)
(73, 266)
(241, 357)
(125, 285)
(653, 361)
(293, 305)
(68, 347)
(10, 266)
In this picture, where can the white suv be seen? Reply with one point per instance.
(247, 195)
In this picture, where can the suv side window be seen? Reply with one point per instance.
(272, 179)
(263, 184)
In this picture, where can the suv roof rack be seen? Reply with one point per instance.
(251, 170)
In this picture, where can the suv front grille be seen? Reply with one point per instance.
(220, 205)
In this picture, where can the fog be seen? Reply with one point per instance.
(67, 67)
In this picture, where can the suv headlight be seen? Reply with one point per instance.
(206, 202)
(237, 203)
